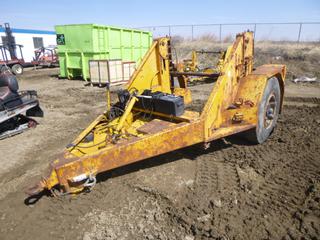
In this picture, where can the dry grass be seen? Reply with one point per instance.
(302, 59)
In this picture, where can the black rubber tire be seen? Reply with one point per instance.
(17, 69)
(262, 132)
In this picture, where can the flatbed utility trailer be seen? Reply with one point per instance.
(9, 59)
(242, 100)
(15, 64)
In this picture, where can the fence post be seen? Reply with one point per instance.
(299, 34)
(191, 32)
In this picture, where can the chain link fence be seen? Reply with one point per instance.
(225, 32)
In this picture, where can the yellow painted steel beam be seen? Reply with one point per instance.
(153, 71)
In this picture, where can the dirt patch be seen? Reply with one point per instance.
(230, 191)
(253, 192)
(67, 110)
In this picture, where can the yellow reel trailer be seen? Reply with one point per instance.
(191, 66)
(242, 99)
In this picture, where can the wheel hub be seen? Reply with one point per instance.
(270, 111)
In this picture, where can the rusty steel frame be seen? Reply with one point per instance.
(232, 107)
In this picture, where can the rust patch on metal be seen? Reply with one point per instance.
(155, 125)
(269, 70)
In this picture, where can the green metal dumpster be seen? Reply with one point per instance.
(79, 43)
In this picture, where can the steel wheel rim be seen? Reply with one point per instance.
(270, 111)
(19, 70)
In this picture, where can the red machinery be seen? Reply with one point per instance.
(46, 57)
